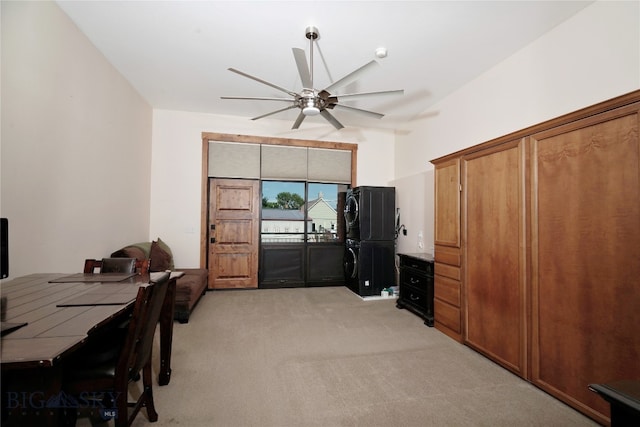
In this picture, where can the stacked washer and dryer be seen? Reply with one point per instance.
(369, 261)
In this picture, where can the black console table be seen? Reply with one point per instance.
(416, 285)
(624, 398)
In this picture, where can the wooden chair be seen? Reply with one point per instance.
(117, 265)
(88, 374)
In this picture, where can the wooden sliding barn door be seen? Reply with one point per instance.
(586, 252)
(234, 211)
(495, 258)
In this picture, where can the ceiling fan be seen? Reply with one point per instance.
(309, 100)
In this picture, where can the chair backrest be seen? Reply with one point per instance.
(142, 326)
(117, 265)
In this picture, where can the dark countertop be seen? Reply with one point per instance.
(622, 392)
(423, 256)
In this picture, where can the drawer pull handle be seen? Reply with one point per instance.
(414, 298)
(414, 281)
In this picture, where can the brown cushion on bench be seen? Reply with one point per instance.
(190, 286)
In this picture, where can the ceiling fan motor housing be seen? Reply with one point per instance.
(310, 103)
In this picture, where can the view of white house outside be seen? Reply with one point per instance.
(293, 211)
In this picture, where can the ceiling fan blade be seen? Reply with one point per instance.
(262, 81)
(365, 94)
(327, 115)
(298, 121)
(275, 112)
(361, 111)
(303, 68)
(253, 98)
(329, 101)
(352, 76)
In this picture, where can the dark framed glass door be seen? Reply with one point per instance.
(302, 234)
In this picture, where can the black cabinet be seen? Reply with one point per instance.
(416, 285)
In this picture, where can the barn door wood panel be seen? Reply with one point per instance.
(494, 243)
(234, 210)
(586, 247)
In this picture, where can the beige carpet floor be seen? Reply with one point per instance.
(323, 357)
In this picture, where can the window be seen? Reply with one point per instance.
(283, 212)
(323, 212)
(300, 212)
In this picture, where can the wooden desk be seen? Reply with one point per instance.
(55, 329)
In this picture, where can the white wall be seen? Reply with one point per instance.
(75, 147)
(592, 57)
(177, 160)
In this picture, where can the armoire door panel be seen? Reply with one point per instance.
(493, 212)
(586, 252)
(447, 203)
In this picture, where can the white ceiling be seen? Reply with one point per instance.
(176, 53)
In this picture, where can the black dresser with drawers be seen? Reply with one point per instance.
(416, 285)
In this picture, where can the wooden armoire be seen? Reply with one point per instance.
(537, 251)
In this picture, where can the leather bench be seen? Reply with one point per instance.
(189, 290)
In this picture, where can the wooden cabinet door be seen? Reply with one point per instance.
(447, 203)
(494, 254)
(234, 212)
(586, 257)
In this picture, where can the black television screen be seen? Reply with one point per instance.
(4, 248)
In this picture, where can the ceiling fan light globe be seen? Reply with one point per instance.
(311, 111)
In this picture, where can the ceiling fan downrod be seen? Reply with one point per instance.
(310, 103)
(312, 33)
